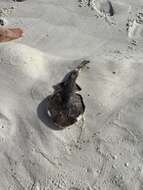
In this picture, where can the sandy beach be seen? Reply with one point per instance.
(105, 152)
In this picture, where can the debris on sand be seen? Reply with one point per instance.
(4, 12)
(134, 25)
(65, 105)
(103, 7)
(3, 21)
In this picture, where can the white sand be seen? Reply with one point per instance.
(108, 155)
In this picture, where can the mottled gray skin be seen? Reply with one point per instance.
(69, 86)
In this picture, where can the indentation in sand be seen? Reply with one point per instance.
(6, 127)
(40, 90)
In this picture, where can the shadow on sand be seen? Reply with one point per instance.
(43, 115)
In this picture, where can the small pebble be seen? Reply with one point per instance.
(113, 166)
(114, 157)
(98, 171)
(126, 164)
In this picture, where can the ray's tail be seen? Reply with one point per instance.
(82, 65)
